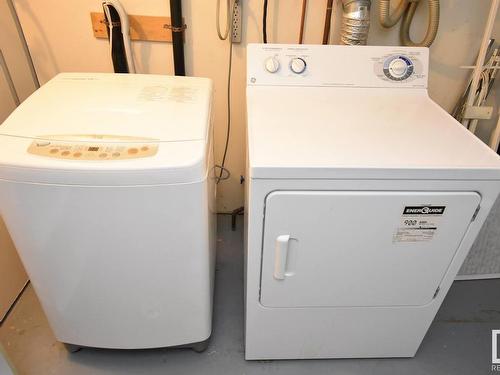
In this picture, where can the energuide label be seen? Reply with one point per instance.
(418, 223)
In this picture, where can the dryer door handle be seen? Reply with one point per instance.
(280, 255)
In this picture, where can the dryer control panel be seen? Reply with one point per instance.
(334, 65)
(93, 147)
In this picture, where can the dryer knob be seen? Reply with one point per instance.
(298, 65)
(272, 64)
(398, 68)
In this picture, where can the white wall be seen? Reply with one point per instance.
(60, 39)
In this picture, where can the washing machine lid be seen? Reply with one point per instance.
(98, 128)
(355, 133)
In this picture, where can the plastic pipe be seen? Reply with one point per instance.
(125, 28)
(387, 19)
(406, 10)
(432, 25)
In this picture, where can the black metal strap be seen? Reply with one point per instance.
(113, 24)
(175, 29)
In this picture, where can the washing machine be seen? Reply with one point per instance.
(363, 197)
(107, 189)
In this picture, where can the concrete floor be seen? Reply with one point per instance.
(458, 342)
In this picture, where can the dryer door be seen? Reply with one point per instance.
(365, 248)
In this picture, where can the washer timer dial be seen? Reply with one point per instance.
(398, 67)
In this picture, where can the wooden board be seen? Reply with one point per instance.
(149, 28)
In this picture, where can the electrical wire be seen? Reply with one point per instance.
(224, 36)
(264, 22)
(228, 131)
(328, 21)
(487, 79)
(302, 21)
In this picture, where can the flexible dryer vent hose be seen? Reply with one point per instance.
(406, 9)
(355, 22)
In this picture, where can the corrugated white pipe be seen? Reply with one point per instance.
(387, 19)
(432, 25)
(406, 10)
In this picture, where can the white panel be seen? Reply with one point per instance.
(117, 267)
(345, 66)
(359, 248)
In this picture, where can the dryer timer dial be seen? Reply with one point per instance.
(298, 65)
(398, 67)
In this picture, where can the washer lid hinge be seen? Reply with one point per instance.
(475, 213)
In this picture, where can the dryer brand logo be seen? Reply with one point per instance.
(424, 210)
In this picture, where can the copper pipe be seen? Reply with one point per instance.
(328, 21)
(302, 21)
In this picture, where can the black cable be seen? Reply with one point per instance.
(177, 37)
(264, 22)
(118, 55)
(228, 131)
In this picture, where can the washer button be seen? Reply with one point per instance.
(54, 151)
(103, 155)
(132, 151)
(116, 154)
(144, 148)
(65, 153)
(77, 154)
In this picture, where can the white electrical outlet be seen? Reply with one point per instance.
(236, 23)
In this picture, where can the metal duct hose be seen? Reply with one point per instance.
(355, 22)
(406, 9)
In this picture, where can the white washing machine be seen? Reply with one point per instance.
(363, 199)
(107, 189)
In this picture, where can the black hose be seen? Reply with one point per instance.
(264, 22)
(177, 37)
(118, 55)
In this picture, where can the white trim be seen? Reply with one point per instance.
(478, 276)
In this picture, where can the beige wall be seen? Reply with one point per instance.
(60, 39)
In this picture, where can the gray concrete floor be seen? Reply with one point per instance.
(458, 342)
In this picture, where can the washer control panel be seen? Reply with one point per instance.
(96, 148)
